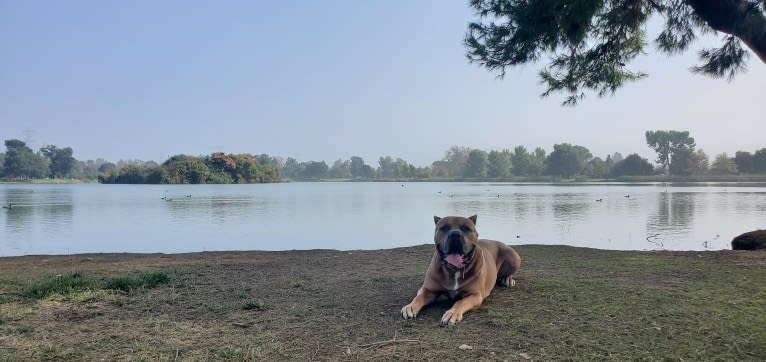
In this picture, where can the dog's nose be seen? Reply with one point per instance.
(455, 235)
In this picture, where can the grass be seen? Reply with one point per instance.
(76, 284)
(569, 304)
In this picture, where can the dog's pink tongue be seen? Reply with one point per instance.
(454, 259)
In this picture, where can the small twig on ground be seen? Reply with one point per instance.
(241, 325)
(390, 341)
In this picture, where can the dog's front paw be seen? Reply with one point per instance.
(508, 282)
(452, 316)
(409, 311)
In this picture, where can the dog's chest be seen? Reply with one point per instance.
(456, 278)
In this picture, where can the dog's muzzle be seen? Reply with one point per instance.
(453, 250)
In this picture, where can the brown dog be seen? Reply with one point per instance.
(463, 267)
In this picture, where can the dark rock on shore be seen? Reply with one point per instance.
(752, 240)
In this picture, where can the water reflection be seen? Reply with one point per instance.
(134, 218)
(45, 211)
(674, 215)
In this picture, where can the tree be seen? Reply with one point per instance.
(633, 165)
(723, 165)
(520, 160)
(759, 161)
(597, 168)
(499, 163)
(359, 169)
(22, 163)
(340, 169)
(456, 160)
(536, 162)
(183, 169)
(590, 43)
(314, 170)
(744, 161)
(700, 162)
(60, 159)
(567, 160)
(477, 163)
(674, 149)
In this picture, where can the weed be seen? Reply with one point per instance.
(58, 284)
(127, 283)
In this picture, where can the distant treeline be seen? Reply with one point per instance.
(677, 159)
(218, 168)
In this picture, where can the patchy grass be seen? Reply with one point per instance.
(569, 304)
(127, 283)
(64, 284)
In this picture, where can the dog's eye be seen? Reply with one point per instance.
(465, 229)
(444, 228)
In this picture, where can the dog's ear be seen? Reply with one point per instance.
(473, 219)
(436, 219)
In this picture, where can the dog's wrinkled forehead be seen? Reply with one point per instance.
(448, 223)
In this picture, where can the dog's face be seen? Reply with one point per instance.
(455, 239)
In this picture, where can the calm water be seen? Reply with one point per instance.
(64, 219)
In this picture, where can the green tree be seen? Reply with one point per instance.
(567, 160)
(520, 160)
(744, 161)
(359, 169)
(477, 164)
(314, 170)
(759, 161)
(340, 169)
(2, 163)
(536, 163)
(633, 165)
(674, 149)
(597, 168)
(723, 165)
(499, 163)
(183, 169)
(22, 163)
(590, 43)
(292, 169)
(700, 163)
(453, 164)
(60, 160)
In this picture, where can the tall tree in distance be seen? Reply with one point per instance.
(22, 163)
(499, 163)
(477, 164)
(567, 160)
(61, 160)
(590, 43)
(675, 149)
(723, 165)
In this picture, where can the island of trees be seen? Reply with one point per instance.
(678, 159)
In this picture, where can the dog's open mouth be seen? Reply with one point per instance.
(455, 259)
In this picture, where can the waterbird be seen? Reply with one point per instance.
(188, 195)
(9, 206)
(599, 200)
(627, 196)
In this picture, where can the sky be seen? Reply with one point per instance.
(323, 80)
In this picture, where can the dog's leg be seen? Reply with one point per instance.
(423, 298)
(455, 314)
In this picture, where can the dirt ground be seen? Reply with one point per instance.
(569, 304)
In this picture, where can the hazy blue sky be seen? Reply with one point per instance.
(321, 80)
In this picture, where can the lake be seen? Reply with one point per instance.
(93, 218)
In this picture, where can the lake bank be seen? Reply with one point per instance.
(570, 303)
